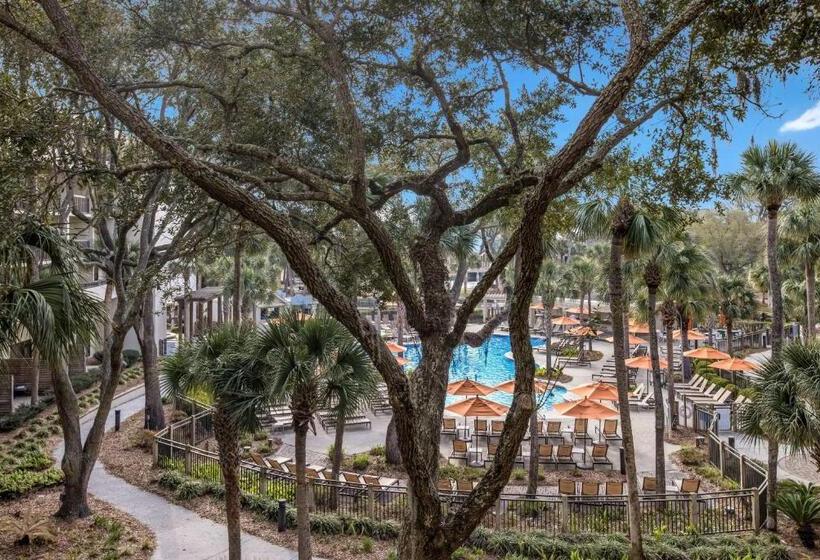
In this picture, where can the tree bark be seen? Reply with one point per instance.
(458, 282)
(686, 363)
(810, 300)
(532, 472)
(392, 450)
(338, 454)
(660, 423)
(154, 413)
(34, 274)
(775, 282)
(302, 505)
(620, 335)
(226, 434)
(670, 372)
(773, 453)
(729, 328)
(237, 282)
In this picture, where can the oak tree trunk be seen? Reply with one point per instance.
(392, 451)
(226, 434)
(620, 336)
(154, 413)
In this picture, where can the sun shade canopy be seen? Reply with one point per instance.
(469, 387)
(644, 362)
(477, 406)
(585, 408)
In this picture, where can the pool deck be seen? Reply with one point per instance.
(360, 440)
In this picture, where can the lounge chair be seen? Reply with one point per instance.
(563, 455)
(610, 431)
(313, 473)
(492, 448)
(480, 427)
(614, 488)
(688, 486)
(580, 430)
(445, 485)
(351, 478)
(375, 481)
(566, 487)
(554, 430)
(448, 426)
(650, 484)
(718, 398)
(496, 427)
(636, 396)
(459, 450)
(599, 455)
(545, 456)
(590, 488)
(696, 381)
(464, 486)
(708, 390)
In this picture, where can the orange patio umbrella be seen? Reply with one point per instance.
(734, 364)
(396, 348)
(469, 387)
(585, 408)
(639, 328)
(644, 362)
(692, 335)
(597, 391)
(537, 306)
(477, 406)
(706, 353)
(402, 361)
(633, 340)
(509, 386)
(575, 311)
(565, 321)
(582, 331)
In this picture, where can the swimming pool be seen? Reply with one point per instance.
(486, 364)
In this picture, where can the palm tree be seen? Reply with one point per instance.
(759, 278)
(785, 409)
(307, 358)
(735, 300)
(800, 232)
(224, 364)
(59, 316)
(774, 175)
(462, 243)
(631, 232)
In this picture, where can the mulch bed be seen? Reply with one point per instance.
(91, 537)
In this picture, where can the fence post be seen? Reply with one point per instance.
(564, 513)
(742, 470)
(263, 481)
(694, 513)
(498, 514)
(722, 445)
(193, 431)
(311, 496)
(756, 510)
(371, 502)
(187, 459)
(155, 449)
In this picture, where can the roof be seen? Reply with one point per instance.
(202, 294)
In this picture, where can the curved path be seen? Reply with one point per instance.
(180, 533)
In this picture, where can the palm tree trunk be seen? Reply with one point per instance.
(338, 454)
(589, 316)
(810, 300)
(620, 335)
(670, 372)
(154, 413)
(458, 281)
(227, 437)
(775, 282)
(237, 282)
(686, 363)
(660, 423)
(34, 274)
(771, 486)
(302, 514)
(729, 330)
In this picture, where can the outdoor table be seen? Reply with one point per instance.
(463, 433)
(580, 451)
(317, 468)
(475, 457)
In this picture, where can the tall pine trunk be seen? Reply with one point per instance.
(654, 356)
(237, 282)
(154, 413)
(227, 437)
(302, 505)
(620, 335)
(810, 300)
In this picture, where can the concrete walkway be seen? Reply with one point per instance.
(180, 532)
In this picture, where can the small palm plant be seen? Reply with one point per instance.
(800, 503)
(223, 365)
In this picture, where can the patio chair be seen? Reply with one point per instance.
(650, 484)
(448, 426)
(375, 481)
(545, 456)
(445, 485)
(351, 478)
(614, 488)
(277, 466)
(610, 431)
(464, 486)
(564, 455)
(554, 430)
(696, 381)
(459, 451)
(689, 486)
(636, 396)
(259, 460)
(480, 427)
(566, 487)
(312, 473)
(708, 390)
(580, 431)
(496, 426)
(599, 455)
(590, 488)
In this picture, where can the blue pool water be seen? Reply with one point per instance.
(486, 364)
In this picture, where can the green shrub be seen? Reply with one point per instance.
(463, 553)
(460, 472)
(24, 413)
(131, 357)
(190, 489)
(378, 451)
(20, 482)
(519, 474)
(34, 461)
(367, 545)
(360, 461)
(170, 479)
(84, 380)
(691, 456)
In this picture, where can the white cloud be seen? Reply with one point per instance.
(807, 121)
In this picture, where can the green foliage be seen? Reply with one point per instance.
(460, 472)
(29, 529)
(360, 461)
(466, 553)
(800, 503)
(378, 451)
(691, 456)
(23, 413)
(20, 482)
(519, 474)
(367, 545)
(131, 357)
